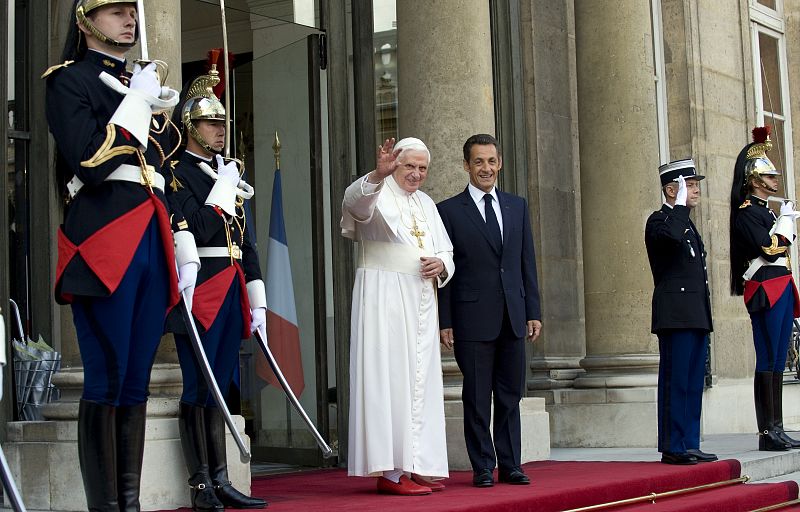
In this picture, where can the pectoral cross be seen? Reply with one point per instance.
(415, 232)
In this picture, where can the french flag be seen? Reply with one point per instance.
(282, 331)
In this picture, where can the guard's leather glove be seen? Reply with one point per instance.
(680, 197)
(145, 80)
(258, 318)
(228, 172)
(187, 278)
(787, 209)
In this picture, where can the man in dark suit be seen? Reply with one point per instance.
(489, 308)
(681, 313)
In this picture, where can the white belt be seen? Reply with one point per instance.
(125, 172)
(761, 262)
(218, 252)
(389, 256)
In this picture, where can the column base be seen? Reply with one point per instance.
(535, 432)
(43, 457)
(603, 417)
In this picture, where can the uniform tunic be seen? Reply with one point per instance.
(396, 395)
(220, 305)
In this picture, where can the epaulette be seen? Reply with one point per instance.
(746, 203)
(55, 68)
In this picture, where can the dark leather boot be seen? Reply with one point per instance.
(130, 450)
(777, 410)
(768, 438)
(192, 427)
(218, 464)
(97, 454)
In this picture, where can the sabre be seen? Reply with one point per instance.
(12, 493)
(261, 337)
(227, 80)
(163, 69)
(208, 374)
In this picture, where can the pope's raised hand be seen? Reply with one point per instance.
(386, 161)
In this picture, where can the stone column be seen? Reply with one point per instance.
(444, 60)
(445, 94)
(615, 401)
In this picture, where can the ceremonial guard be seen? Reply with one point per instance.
(681, 313)
(116, 250)
(761, 272)
(229, 300)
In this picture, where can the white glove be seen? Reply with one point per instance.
(145, 80)
(227, 172)
(258, 317)
(187, 278)
(680, 197)
(787, 210)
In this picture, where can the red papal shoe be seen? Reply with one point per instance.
(404, 487)
(433, 485)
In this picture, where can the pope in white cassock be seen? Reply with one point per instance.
(397, 428)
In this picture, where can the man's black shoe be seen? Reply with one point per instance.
(483, 478)
(702, 456)
(513, 477)
(681, 459)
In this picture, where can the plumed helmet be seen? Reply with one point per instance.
(84, 7)
(757, 163)
(202, 104)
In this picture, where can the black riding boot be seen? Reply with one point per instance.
(768, 438)
(777, 406)
(130, 450)
(193, 441)
(218, 464)
(97, 455)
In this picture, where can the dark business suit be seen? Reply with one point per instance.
(487, 304)
(682, 320)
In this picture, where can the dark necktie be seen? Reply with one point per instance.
(491, 221)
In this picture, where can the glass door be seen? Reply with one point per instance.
(276, 93)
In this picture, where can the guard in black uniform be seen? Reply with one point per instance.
(230, 299)
(116, 251)
(681, 313)
(761, 272)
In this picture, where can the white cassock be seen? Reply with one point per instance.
(396, 396)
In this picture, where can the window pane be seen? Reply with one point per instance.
(770, 74)
(769, 3)
(385, 60)
(778, 152)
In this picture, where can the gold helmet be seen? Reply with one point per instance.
(202, 105)
(757, 163)
(84, 7)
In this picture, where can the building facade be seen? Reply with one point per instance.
(587, 97)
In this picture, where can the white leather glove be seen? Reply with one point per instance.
(258, 317)
(680, 197)
(187, 278)
(228, 172)
(145, 80)
(787, 209)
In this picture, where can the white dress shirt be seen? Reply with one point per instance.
(477, 196)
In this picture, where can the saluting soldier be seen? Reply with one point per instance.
(116, 251)
(681, 313)
(230, 299)
(761, 272)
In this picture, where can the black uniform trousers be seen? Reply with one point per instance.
(494, 371)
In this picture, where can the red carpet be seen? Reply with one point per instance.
(555, 486)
